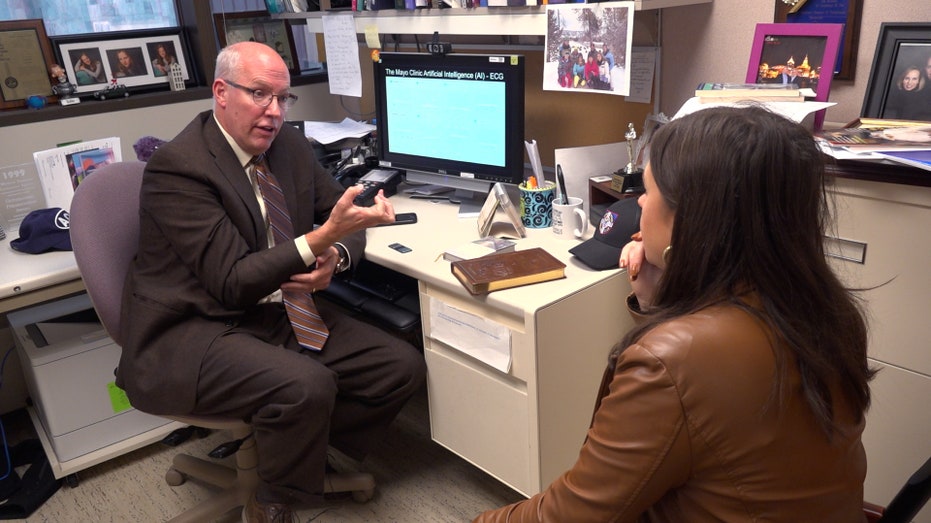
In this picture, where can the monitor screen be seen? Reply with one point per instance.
(458, 117)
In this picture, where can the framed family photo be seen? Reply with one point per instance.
(136, 59)
(588, 47)
(257, 26)
(799, 54)
(899, 87)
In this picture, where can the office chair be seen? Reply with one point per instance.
(906, 504)
(105, 236)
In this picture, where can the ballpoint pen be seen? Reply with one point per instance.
(561, 185)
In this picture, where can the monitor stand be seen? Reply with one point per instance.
(470, 202)
(469, 193)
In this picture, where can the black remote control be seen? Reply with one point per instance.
(366, 198)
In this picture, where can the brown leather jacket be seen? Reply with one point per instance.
(683, 433)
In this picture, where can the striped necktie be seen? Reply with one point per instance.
(308, 327)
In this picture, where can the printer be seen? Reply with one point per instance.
(68, 362)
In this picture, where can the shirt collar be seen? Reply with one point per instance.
(243, 157)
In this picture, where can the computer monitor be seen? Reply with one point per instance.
(454, 120)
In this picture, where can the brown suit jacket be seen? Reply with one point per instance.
(203, 264)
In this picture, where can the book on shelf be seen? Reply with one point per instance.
(920, 158)
(884, 123)
(725, 92)
(478, 248)
(506, 270)
(275, 6)
(714, 90)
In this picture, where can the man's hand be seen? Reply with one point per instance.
(354, 217)
(318, 278)
(346, 218)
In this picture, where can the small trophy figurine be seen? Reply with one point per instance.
(630, 178)
(631, 135)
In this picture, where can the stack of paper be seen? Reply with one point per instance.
(908, 144)
(329, 132)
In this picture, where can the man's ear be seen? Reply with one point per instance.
(220, 92)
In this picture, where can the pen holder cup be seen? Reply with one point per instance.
(536, 205)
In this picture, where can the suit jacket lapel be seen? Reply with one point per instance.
(229, 169)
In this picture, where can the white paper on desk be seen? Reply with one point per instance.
(581, 163)
(329, 132)
(795, 111)
(342, 54)
(484, 340)
(55, 174)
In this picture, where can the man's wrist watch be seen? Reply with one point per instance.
(343, 262)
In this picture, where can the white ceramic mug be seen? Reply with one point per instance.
(569, 220)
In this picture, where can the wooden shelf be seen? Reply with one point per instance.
(517, 21)
(600, 197)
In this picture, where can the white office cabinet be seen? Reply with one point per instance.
(525, 427)
(886, 226)
(80, 416)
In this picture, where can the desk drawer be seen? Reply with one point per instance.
(480, 414)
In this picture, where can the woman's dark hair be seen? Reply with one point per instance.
(747, 188)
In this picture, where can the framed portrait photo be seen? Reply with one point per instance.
(257, 26)
(800, 54)
(136, 59)
(899, 87)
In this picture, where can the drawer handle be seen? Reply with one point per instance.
(843, 249)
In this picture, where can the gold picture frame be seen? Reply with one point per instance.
(25, 61)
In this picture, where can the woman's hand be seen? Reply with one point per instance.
(644, 276)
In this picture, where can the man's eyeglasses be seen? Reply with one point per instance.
(263, 98)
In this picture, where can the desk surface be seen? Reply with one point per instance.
(29, 278)
(439, 228)
(25, 279)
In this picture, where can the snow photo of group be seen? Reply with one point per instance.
(588, 47)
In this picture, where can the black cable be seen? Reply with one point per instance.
(6, 447)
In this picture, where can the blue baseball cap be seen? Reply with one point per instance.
(44, 230)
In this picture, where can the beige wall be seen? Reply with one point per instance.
(711, 43)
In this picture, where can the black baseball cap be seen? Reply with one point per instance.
(44, 230)
(603, 250)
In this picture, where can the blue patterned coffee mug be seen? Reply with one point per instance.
(536, 205)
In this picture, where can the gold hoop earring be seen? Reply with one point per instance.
(666, 252)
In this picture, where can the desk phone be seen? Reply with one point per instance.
(387, 179)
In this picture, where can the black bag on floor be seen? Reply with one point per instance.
(20, 497)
